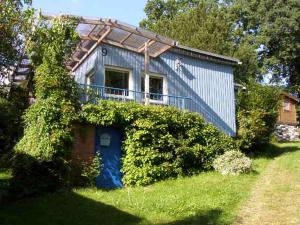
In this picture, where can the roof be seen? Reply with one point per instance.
(94, 31)
(290, 96)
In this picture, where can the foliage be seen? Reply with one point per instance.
(160, 142)
(41, 160)
(11, 110)
(257, 112)
(264, 35)
(92, 170)
(232, 162)
(206, 198)
(272, 27)
(14, 24)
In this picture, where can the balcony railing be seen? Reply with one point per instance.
(91, 93)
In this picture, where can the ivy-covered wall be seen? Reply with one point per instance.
(160, 142)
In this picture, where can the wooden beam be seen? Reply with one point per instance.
(91, 31)
(83, 49)
(162, 51)
(120, 45)
(117, 24)
(146, 64)
(75, 58)
(142, 48)
(125, 38)
(92, 48)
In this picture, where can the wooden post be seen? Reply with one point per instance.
(147, 61)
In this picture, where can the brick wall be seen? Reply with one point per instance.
(84, 142)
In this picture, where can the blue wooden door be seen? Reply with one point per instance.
(108, 143)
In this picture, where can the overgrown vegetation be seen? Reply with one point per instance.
(160, 142)
(14, 24)
(12, 108)
(264, 35)
(207, 198)
(257, 112)
(232, 163)
(41, 160)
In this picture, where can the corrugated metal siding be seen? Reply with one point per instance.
(210, 85)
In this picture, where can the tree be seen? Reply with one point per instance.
(257, 113)
(264, 35)
(272, 27)
(41, 160)
(14, 23)
(13, 26)
(206, 25)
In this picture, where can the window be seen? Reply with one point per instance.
(90, 78)
(286, 105)
(156, 87)
(116, 81)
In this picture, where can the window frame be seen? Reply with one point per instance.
(90, 74)
(165, 87)
(122, 70)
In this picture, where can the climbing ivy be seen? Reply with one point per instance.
(159, 142)
(41, 160)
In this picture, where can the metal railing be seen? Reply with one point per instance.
(91, 93)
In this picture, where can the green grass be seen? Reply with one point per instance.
(275, 199)
(208, 198)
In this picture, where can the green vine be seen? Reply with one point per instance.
(160, 142)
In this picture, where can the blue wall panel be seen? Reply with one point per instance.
(209, 84)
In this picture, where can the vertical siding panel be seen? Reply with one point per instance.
(209, 84)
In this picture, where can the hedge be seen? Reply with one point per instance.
(160, 142)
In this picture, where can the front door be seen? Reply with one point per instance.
(108, 143)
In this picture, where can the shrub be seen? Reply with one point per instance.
(160, 142)
(12, 107)
(257, 112)
(232, 162)
(91, 171)
(42, 157)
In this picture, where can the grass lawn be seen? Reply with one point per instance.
(275, 198)
(208, 198)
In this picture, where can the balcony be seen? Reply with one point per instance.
(91, 93)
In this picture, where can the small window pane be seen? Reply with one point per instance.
(90, 78)
(287, 105)
(117, 79)
(143, 84)
(156, 87)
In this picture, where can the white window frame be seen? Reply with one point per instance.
(88, 77)
(130, 80)
(165, 87)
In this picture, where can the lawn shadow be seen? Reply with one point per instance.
(66, 208)
(211, 217)
(271, 151)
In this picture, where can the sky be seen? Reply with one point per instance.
(129, 11)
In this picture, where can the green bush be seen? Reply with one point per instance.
(232, 162)
(160, 142)
(41, 159)
(91, 171)
(12, 106)
(257, 112)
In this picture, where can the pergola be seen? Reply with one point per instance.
(93, 31)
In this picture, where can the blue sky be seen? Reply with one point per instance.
(129, 11)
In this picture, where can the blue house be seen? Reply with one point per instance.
(125, 63)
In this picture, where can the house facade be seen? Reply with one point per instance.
(119, 62)
(287, 123)
(166, 74)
